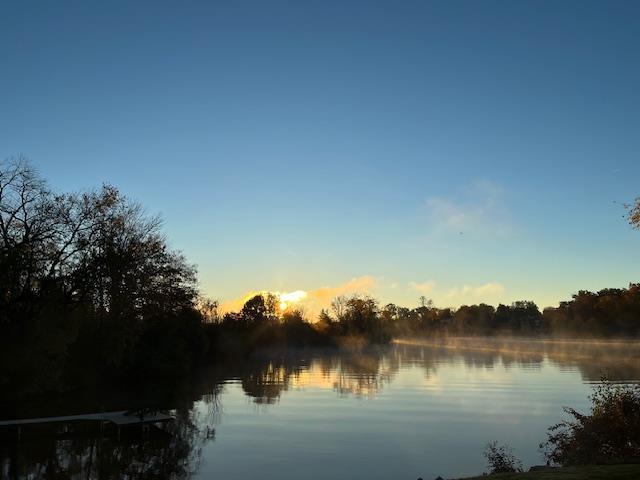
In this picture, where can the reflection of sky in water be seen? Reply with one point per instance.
(411, 412)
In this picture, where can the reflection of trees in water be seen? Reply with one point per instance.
(266, 382)
(617, 361)
(209, 394)
(472, 356)
(362, 374)
(83, 450)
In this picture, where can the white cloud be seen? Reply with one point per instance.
(424, 287)
(480, 210)
(488, 292)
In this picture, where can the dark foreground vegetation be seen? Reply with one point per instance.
(90, 293)
(586, 472)
(604, 443)
(609, 433)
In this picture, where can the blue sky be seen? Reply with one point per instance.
(470, 151)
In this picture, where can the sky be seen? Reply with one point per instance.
(464, 151)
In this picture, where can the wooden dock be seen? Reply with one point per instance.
(120, 418)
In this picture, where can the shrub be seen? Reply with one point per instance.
(610, 433)
(501, 459)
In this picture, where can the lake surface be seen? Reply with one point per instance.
(416, 408)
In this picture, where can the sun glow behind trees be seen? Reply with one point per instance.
(290, 298)
(284, 300)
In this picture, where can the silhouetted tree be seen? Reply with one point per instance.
(633, 213)
(209, 309)
(255, 312)
(325, 323)
(83, 278)
(360, 316)
(339, 307)
(474, 319)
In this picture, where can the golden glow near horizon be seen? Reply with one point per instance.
(285, 299)
(311, 301)
(289, 298)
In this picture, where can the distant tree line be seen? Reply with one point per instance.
(519, 318)
(609, 312)
(353, 321)
(90, 292)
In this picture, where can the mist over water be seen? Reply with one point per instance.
(416, 408)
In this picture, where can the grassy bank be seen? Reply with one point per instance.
(590, 472)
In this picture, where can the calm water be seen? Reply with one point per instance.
(397, 413)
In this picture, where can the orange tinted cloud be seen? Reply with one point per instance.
(311, 301)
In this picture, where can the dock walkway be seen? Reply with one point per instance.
(120, 418)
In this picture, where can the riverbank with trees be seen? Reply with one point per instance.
(91, 294)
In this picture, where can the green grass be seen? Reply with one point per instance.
(590, 472)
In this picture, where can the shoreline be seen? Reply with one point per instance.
(630, 471)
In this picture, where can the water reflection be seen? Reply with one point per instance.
(365, 373)
(615, 360)
(175, 450)
(361, 374)
(82, 450)
(266, 383)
